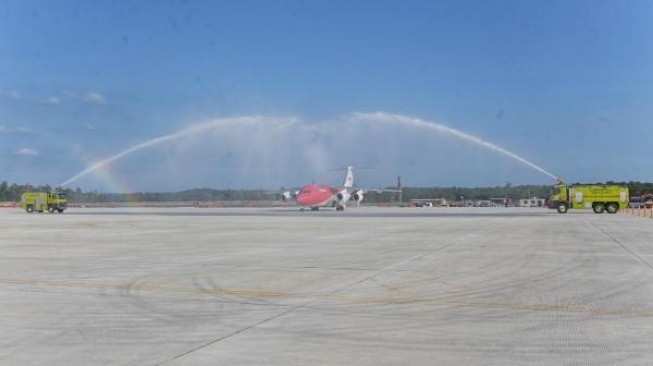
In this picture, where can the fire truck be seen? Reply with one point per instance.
(599, 197)
(43, 201)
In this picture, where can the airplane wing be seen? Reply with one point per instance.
(380, 190)
(289, 195)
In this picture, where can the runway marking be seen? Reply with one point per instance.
(340, 298)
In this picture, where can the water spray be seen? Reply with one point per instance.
(203, 127)
(393, 118)
(318, 156)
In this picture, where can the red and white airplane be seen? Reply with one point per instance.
(314, 196)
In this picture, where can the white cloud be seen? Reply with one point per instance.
(49, 100)
(94, 98)
(10, 95)
(90, 97)
(27, 152)
(6, 130)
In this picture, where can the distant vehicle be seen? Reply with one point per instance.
(314, 196)
(428, 202)
(598, 197)
(647, 200)
(43, 201)
(643, 201)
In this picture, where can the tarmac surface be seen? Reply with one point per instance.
(368, 286)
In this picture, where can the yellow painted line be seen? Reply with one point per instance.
(350, 299)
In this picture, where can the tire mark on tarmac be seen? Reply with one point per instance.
(457, 241)
(333, 293)
(332, 296)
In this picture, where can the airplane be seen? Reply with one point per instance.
(314, 196)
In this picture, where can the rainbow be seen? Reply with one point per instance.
(100, 168)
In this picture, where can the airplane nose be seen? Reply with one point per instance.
(301, 199)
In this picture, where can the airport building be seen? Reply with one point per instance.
(429, 202)
(532, 202)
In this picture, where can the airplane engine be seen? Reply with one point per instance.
(343, 197)
(288, 196)
(358, 196)
(285, 196)
(341, 200)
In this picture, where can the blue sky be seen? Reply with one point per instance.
(565, 85)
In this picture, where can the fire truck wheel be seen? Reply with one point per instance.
(612, 208)
(598, 208)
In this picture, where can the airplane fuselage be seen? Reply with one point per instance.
(316, 195)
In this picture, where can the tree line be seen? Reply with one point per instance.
(12, 193)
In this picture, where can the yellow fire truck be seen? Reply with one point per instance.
(598, 197)
(43, 201)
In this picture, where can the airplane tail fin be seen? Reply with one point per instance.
(349, 179)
